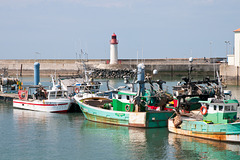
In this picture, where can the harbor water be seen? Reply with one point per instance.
(39, 135)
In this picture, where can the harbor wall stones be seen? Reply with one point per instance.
(230, 74)
(73, 66)
(106, 73)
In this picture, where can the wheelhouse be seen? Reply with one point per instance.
(220, 112)
(57, 94)
(124, 96)
(223, 108)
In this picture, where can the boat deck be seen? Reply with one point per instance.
(97, 102)
(192, 116)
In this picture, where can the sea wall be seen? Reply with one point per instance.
(72, 66)
(230, 74)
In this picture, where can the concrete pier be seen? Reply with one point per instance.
(230, 74)
(8, 96)
(72, 66)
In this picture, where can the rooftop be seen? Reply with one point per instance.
(237, 30)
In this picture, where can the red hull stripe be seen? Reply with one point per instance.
(63, 111)
(41, 104)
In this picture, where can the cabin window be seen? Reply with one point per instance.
(82, 87)
(220, 108)
(97, 87)
(215, 108)
(227, 108)
(59, 93)
(127, 97)
(207, 106)
(52, 95)
(119, 97)
(234, 108)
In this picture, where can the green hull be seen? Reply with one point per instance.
(204, 128)
(150, 119)
(220, 132)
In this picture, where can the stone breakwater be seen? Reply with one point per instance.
(107, 73)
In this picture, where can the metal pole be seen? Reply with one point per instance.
(227, 44)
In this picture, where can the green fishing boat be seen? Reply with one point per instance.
(218, 121)
(128, 108)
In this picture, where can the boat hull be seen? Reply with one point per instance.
(151, 119)
(43, 105)
(219, 136)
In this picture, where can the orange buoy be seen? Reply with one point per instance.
(203, 110)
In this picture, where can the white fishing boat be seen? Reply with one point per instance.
(54, 100)
(82, 83)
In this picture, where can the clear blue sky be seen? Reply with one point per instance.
(155, 28)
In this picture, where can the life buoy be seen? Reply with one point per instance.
(76, 90)
(127, 108)
(23, 94)
(203, 110)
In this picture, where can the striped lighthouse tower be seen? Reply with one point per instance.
(113, 50)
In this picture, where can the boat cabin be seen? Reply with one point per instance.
(56, 94)
(39, 92)
(89, 87)
(221, 111)
(123, 99)
(124, 96)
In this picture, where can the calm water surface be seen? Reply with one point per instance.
(38, 135)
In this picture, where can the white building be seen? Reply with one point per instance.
(234, 59)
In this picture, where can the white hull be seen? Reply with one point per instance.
(53, 105)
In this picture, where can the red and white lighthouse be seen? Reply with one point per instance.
(113, 50)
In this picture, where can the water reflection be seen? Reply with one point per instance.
(197, 148)
(41, 135)
(127, 142)
(48, 120)
(4, 106)
(235, 91)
